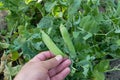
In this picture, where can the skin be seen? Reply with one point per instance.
(45, 66)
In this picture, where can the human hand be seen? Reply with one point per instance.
(45, 66)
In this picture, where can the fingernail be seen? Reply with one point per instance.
(59, 57)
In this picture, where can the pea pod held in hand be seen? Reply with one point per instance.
(51, 45)
(68, 41)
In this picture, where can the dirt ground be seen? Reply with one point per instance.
(114, 75)
(2, 20)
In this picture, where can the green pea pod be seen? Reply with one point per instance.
(68, 41)
(51, 45)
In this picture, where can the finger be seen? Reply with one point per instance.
(59, 68)
(43, 56)
(61, 75)
(51, 63)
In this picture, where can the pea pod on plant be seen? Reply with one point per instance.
(67, 41)
(51, 45)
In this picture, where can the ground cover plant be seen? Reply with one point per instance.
(86, 31)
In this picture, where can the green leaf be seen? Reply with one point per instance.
(1, 4)
(11, 71)
(86, 70)
(118, 42)
(4, 45)
(27, 50)
(117, 31)
(15, 55)
(74, 7)
(92, 27)
(89, 24)
(58, 11)
(118, 9)
(98, 75)
(19, 42)
(102, 66)
(36, 41)
(85, 20)
(85, 64)
(87, 36)
(45, 22)
(50, 5)
(76, 34)
(28, 1)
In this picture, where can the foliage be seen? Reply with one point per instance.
(93, 26)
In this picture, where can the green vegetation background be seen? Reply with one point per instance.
(93, 26)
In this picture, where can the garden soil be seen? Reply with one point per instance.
(114, 75)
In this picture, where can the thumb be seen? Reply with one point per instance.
(53, 62)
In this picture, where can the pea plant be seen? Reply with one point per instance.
(86, 31)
